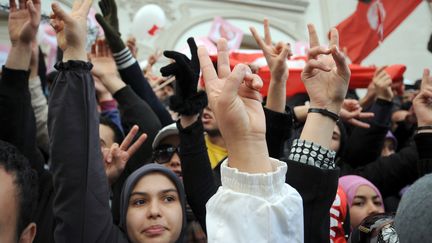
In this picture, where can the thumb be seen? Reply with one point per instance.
(60, 13)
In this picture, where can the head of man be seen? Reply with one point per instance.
(209, 122)
(166, 149)
(153, 205)
(18, 196)
(109, 134)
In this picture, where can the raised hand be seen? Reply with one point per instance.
(382, 84)
(23, 21)
(104, 67)
(23, 24)
(351, 112)
(116, 157)
(276, 55)
(236, 101)
(186, 101)
(326, 74)
(71, 29)
(422, 103)
(109, 23)
(102, 60)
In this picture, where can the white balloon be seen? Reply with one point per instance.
(148, 22)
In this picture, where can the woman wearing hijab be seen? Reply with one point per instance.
(363, 198)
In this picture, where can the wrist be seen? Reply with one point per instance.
(104, 96)
(385, 97)
(248, 155)
(78, 54)
(334, 107)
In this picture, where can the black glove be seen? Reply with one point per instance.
(110, 25)
(186, 101)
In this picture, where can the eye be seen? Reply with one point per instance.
(138, 202)
(169, 198)
(358, 204)
(378, 203)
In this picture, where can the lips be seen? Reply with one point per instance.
(154, 230)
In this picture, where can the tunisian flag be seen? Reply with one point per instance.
(370, 24)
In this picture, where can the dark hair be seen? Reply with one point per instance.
(118, 134)
(26, 181)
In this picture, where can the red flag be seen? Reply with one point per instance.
(361, 76)
(370, 24)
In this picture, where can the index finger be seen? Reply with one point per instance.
(257, 38)
(207, 68)
(12, 5)
(313, 37)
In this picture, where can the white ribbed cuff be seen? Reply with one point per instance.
(261, 184)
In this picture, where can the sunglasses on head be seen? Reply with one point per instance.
(163, 154)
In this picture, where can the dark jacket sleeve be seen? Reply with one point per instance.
(133, 76)
(365, 144)
(424, 143)
(17, 126)
(198, 178)
(317, 188)
(134, 111)
(279, 126)
(17, 120)
(81, 203)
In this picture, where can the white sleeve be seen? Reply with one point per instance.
(255, 207)
(40, 108)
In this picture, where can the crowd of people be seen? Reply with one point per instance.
(115, 153)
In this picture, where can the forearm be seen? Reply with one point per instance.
(131, 73)
(318, 129)
(276, 97)
(79, 177)
(198, 177)
(278, 129)
(135, 111)
(17, 120)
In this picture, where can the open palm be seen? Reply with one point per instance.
(24, 21)
(326, 75)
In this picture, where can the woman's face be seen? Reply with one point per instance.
(154, 213)
(365, 202)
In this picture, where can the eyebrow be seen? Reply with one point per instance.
(364, 197)
(160, 192)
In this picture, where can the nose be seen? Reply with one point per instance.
(153, 209)
(175, 164)
(372, 208)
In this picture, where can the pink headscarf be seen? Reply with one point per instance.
(351, 183)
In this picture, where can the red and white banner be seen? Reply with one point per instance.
(370, 24)
(361, 76)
